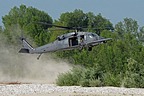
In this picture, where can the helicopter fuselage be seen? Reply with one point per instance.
(70, 41)
(67, 41)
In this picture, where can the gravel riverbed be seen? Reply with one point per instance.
(27, 89)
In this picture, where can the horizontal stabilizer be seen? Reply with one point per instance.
(24, 50)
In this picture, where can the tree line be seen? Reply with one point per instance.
(116, 63)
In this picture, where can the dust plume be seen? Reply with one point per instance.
(16, 67)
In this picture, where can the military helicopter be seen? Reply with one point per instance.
(68, 41)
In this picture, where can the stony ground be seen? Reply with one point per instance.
(19, 89)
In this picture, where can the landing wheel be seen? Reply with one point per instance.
(104, 41)
(89, 48)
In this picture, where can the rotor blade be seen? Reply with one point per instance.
(69, 28)
(57, 29)
(74, 28)
(55, 25)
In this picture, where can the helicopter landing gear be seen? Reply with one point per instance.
(81, 48)
(104, 41)
(39, 56)
(89, 48)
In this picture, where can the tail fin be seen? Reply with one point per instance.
(27, 48)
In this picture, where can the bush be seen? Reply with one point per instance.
(95, 83)
(84, 83)
(70, 78)
(109, 79)
(65, 79)
(134, 80)
(80, 76)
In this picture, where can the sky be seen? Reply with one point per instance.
(114, 10)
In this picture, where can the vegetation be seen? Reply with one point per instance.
(26, 19)
(116, 63)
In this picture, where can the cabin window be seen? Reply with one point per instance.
(73, 41)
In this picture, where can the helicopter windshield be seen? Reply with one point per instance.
(92, 35)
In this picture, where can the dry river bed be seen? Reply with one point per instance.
(19, 89)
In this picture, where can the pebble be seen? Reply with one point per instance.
(23, 89)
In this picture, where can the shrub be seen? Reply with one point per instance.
(95, 83)
(109, 79)
(134, 80)
(70, 78)
(65, 79)
(80, 76)
(84, 83)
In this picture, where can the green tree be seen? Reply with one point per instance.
(141, 34)
(27, 18)
(102, 23)
(74, 19)
(128, 25)
(1, 30)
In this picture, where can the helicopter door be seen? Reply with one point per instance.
(73, 41)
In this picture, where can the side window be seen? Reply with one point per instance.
(73, 41)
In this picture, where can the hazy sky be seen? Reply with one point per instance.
(114, 10)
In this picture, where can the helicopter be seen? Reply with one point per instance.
(68, 41)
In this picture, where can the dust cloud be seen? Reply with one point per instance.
(18, 67)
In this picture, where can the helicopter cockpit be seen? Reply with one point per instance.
(93, 36)
(62, 37)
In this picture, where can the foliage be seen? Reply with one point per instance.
(1, 30)
(27, 18)
(81, 76)
(95, 83)
(69, 79)
(74, 19)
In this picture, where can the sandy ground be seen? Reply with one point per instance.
(62, 94)
(77, 94)
(73, 90)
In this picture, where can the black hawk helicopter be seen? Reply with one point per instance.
(68, 41)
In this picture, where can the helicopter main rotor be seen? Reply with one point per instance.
(77, 29)
(64, 27)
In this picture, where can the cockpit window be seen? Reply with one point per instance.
(91, 35)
